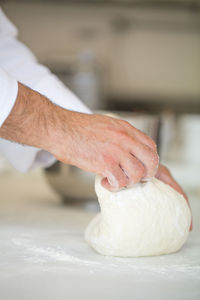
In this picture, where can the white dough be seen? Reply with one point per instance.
(150, 218)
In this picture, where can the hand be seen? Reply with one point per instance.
(110, 147)
(164, 175)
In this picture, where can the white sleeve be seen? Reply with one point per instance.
(8, 94)
(21, 64)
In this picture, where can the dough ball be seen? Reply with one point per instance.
(148, 219)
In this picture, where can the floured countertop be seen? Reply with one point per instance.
(43, 254)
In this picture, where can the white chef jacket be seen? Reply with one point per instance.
(17, 63)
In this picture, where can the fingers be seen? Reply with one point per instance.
(145, 155)
(140, 136)
(133, 168)
(114, 178)
(123, 171)
(133, 155)
(130, 162)
(164, 175)
(142, 147)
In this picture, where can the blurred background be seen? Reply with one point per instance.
(137, 59)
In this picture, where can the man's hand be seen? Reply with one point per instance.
(164, 175)
(112, 148)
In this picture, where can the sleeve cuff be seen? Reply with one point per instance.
(8, 95)
(25, 158)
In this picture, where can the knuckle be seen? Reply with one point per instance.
(128, 141)
(121, 134)
(140, 173)
(128, 126)
(154, 161)
(152, 144)
(125, 123)
(122, 182)
(115, 151)
(116, 178)
(107, 159)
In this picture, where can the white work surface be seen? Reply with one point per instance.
(43, 254)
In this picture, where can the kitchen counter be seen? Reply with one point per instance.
(43, 254)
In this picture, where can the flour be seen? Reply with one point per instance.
(169, 266)
(50, 254)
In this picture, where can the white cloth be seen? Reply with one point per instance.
(8, 94)
(17, 63)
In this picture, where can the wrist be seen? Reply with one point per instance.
(59, 138)
(31, 115)
(50, 124)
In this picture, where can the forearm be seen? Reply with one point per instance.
(31, 120)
